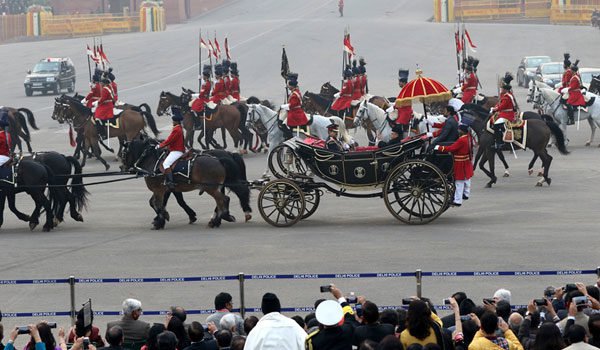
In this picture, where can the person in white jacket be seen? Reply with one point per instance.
(273, 330)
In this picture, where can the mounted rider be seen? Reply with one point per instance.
(234, 87)
(95, 91)
(175, 144)
(576, 99)
(505, 110)
(296, 118)
(5, 141)
(469, 87)
(218, 93)
(344, 100)
(105, 105)
(113, 83)
(364, 87)
(197, 104)
(356, 83)
(405, 113)
(568, 73)
(227, 82)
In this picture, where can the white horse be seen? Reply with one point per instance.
(553, 107)
(381, 120)
(269, 118)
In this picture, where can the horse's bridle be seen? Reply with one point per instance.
(368, 115)
(254, 112)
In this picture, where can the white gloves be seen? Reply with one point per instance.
(457, 90)
(95, 103)
(430, 122)
(429, 134)
(564, 91)
(336, 95)
(84, 102)
(492, 110)
(346, 146)
(437, 147)
(286, 106)
(157, 147)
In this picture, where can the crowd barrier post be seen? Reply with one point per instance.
(72, 292)
(419, 276)
(241, 278)
(598, 271)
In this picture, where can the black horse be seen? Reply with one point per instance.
(235, 180)
(65, 168)
(32, 178)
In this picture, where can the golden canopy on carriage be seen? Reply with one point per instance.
(422, 89)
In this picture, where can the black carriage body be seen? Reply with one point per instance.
(366, 169)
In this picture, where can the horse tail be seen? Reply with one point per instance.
(559, 136)
(243, 109)
(241, 164)
(237, 180)
(23, 123)
(151, 122)
(146, 108)
(55, 195)
(547, 118)
(77, 188)
(30, 117)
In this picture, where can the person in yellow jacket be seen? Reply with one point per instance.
(422, 326)
(487, 339)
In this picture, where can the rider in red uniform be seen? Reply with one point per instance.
(218, 93)
(175, 145)
(469, 87)
(204, 96)
(356, 82)
(576, 98)
(226, 79)
(113, 84)
(235, 82)
(568, 74)
(95, 92)
(5, 141)
(405, 113)
(364, 88)
(105, 105)
(296, 116)
(506, 109)
(344, 101)
(462, 153)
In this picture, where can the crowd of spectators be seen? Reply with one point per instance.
(14, 7)
(563, 318)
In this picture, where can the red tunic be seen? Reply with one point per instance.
(113, 86)
(296, 116)
(566, 78)
(345, 99)
(356, 94)
(94, 95)
(405, 114)
(227, 84)
(106, 104)
(363, 84)
(175, 140)
(5, 143)
(469, 88)
(575, 95)
(461, 152)
(198, 104)
(218, 92)
(235, 87)
(506, 107)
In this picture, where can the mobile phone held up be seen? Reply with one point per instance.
(325, 289)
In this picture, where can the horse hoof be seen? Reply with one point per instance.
(548, 181)
(488, 185)
(540, 174)
(167, 216)
(538, 184)
(32, 225)
(530, 171)
(248, 217)
(55, 222)
(192, 220)
(106, 166)
(587, 144)
(46, 228)
(228, 218)
(506, 174)
(78, 217)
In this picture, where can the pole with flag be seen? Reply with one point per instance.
(285, 70)
(89, 53)
(218, 47)
(227, 52)
(458, 50)
(200, 60)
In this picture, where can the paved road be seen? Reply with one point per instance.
(514, 226)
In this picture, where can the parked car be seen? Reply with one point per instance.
(586, 75)
(527, 68)
(51, 74)
(550, 73)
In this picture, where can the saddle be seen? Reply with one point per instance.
(182, 166)
(8, 172)
(114, 122)
(514, 132)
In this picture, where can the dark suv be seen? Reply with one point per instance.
(51, 74)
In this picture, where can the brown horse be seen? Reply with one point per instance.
(131, 124)
(207, 175)
(18, 127)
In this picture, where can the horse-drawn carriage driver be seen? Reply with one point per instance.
(175, 144)
(333, 143)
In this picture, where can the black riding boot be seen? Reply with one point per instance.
(498, 132)
(198, 123)
(571, 115)
(169, 182)
(100, 131)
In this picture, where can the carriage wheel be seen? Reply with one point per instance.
(281, 203)
(416, 192)
(311, 202)
(283, 162)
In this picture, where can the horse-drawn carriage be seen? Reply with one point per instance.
(416, 187)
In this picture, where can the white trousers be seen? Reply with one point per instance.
(171, 158)
(463, 187)
(3, 159)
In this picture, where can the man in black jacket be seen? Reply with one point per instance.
(371, 328)
(449, 132)
(196, 334)
(114, 338)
